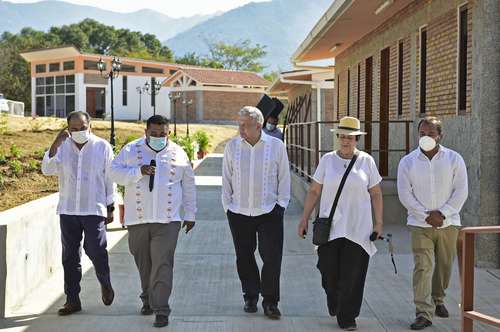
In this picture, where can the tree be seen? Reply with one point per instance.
(238, 56)
(196, 60)
(272, 76)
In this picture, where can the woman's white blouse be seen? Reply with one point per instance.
(353, 216)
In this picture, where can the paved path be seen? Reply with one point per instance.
(207, 294)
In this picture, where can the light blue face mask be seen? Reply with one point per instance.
(270, 126)
(157, 143)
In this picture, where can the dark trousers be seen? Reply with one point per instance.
(268, 228)
(343, 265)
(94, 244)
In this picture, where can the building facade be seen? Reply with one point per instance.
(213, 95)
(64, 79)
(398, 61)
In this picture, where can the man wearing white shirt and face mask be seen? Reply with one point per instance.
(81, 160)
(158, 180)
(432, 185)
(255, 193)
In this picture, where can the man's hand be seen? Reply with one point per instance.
(148, 170)
(60, 138)
(302, 230)
(110, 216)
(435, 219)
(188, 225)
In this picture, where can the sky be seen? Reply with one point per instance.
(172, 8)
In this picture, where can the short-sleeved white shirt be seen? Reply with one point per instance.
(353, 216)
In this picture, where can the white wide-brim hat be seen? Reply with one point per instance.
(349, 125)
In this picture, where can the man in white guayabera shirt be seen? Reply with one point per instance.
(255, 193)
(81, 160)
(158, 180)
(432, 185)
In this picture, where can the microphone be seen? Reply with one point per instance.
(152, 176)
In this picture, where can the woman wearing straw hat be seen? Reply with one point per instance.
(343, 259)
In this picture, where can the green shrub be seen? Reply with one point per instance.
(16, 167)
(186, 144)
(4, 126)
(201, 138)
(33, 165)
(36, 125)
(38, 154)
(3, 158)
(15, 151)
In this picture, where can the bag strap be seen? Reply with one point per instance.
(341, 186)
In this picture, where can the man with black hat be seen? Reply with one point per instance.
(271, 109)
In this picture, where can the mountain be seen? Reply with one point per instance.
(45, 14)
(281, 25)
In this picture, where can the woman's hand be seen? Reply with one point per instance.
(302, 230)
(378, 229)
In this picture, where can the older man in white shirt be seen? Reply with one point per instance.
(255, 194)
(158, 181)
(432, 185)
(81, 160)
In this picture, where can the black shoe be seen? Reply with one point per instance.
(69, 308)
(420, 323)
(272, 311)
(160, 321)
(441, 311)
(146, 310)
(350, 327)
(250, 306)
(107, 294)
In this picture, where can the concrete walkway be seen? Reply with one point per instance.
(207, 293)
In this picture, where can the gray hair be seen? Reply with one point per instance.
(252, 112)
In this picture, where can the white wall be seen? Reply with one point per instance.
(131, 110)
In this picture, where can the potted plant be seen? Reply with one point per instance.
(201, 138)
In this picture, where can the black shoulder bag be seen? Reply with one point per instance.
(321, 226)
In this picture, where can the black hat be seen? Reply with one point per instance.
(266, 105)
(277, 108)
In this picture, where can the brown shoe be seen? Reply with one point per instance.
(69, 308)
(441, 311)
(107, 294)
(420, 323)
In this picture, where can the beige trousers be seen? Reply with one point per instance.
(433, 253)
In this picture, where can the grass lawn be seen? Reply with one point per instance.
(23, 142)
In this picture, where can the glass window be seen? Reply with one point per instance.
(70, 104)
(124, 90)
(60, 106)
(69, 65)
(54, 66)
(40, 106)
(49, 89)
(152, 70)
(49, 80)
(40, 81)
(70, 79)
(59, 88)
(91, 65)
(41, 68)
(40, 90)
(70, 88)
(49, 106)
(59, 79)
(127, 68)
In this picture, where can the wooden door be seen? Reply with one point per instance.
(368, 103)
(384, 112)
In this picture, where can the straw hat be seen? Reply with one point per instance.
(349, 125)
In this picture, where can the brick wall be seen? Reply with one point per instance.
(224, 106)
(440, 17)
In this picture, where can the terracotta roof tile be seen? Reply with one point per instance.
(225, 77)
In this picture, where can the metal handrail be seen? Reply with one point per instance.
(466, 251)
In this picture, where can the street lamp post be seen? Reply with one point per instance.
(173, 97)
(153, 90)
(187, 103)
(140, 90)
(111, 75)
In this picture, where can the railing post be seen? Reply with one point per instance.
(317, 144)
(467, 280)
(309, 146)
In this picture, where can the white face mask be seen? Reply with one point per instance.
(270, 126)
(427, 143)
(80, 137)
(157, 143)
